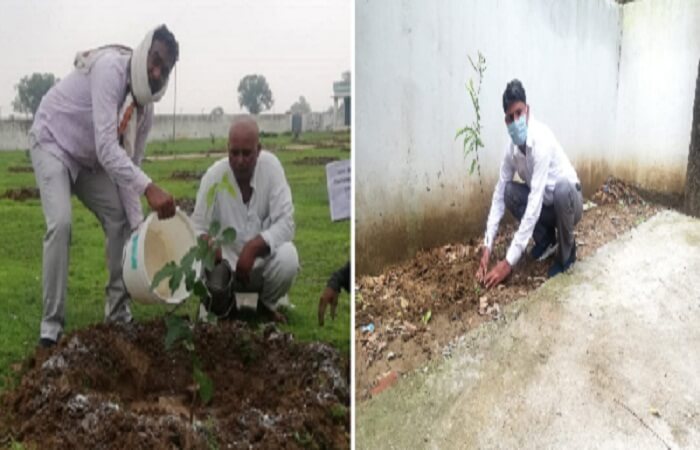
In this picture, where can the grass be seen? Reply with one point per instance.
(323, 247)
(330, 140)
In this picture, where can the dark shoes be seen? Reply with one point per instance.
(557, 267)
(47, 343)
(545, 249)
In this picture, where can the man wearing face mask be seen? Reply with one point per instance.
(88, 138)
(548, 204)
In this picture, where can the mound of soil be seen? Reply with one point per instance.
(20, 169)
(314, 160)
(188, 175)
(186, 204)
(21, 194)
(112, 386)
(414, 311)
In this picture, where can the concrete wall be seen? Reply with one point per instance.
(658, 68)
(13, 133)
(413, 189)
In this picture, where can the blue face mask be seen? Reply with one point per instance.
(518, 130)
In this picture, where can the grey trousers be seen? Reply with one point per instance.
(271, 277)
(562, 215)
(99, 194)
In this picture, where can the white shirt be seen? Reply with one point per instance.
(542, 164)
(269, 212)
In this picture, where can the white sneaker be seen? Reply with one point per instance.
(549, 251)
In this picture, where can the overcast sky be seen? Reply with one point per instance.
(300, 46)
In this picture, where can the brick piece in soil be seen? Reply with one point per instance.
(112, 386)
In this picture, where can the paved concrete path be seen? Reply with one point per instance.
(605, 357)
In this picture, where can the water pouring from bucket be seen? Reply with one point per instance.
(152, 246)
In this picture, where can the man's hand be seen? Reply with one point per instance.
(244, 266)
(256, 247)
(160, 201)
(329, 296)
(483, 265)
(497, 274)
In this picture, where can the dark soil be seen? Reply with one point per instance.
(20, 169)
(442, 281)
(117, 387)
(186, 204)
(314, 160)
(21, 194)
(186, 175)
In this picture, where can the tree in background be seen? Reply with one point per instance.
(217, 112)
(30, 90)
(254, 94)
(300, 106)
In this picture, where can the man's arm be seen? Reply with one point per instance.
(498, 206)
(542, 159)
(339, 279)
(496, 212)
(106, 93)
(281, 227)
(129, 197)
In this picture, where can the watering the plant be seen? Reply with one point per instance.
(258, 267)
(88, 138)
(549, 202)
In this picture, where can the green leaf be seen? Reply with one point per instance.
(225, 185)
(190, 278)
(208, 260)
(204, 384)
(214, 228)
(471, 170)
(199, 289)
(211, 194)
(177, 329)
(175, 280)
(228, 235)
(162, 274)
(202, 248)
(189, 257)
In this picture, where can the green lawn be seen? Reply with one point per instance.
(270, 141)
(323, 247)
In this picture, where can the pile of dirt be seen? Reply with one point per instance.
(413, 311)
(117, 387)
(314, 160)
(187, 175)
(186, 204)
(21, 194)
(614, 190)
(20, 169)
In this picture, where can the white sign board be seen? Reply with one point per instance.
(339, 180)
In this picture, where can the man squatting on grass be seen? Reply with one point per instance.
(88, 138)
(549, 200)
(262, 213)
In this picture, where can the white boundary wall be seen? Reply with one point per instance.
(13, 133)
(658, 69)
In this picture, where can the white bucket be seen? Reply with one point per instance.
(152, 245)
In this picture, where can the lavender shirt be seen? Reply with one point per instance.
(77, 122)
